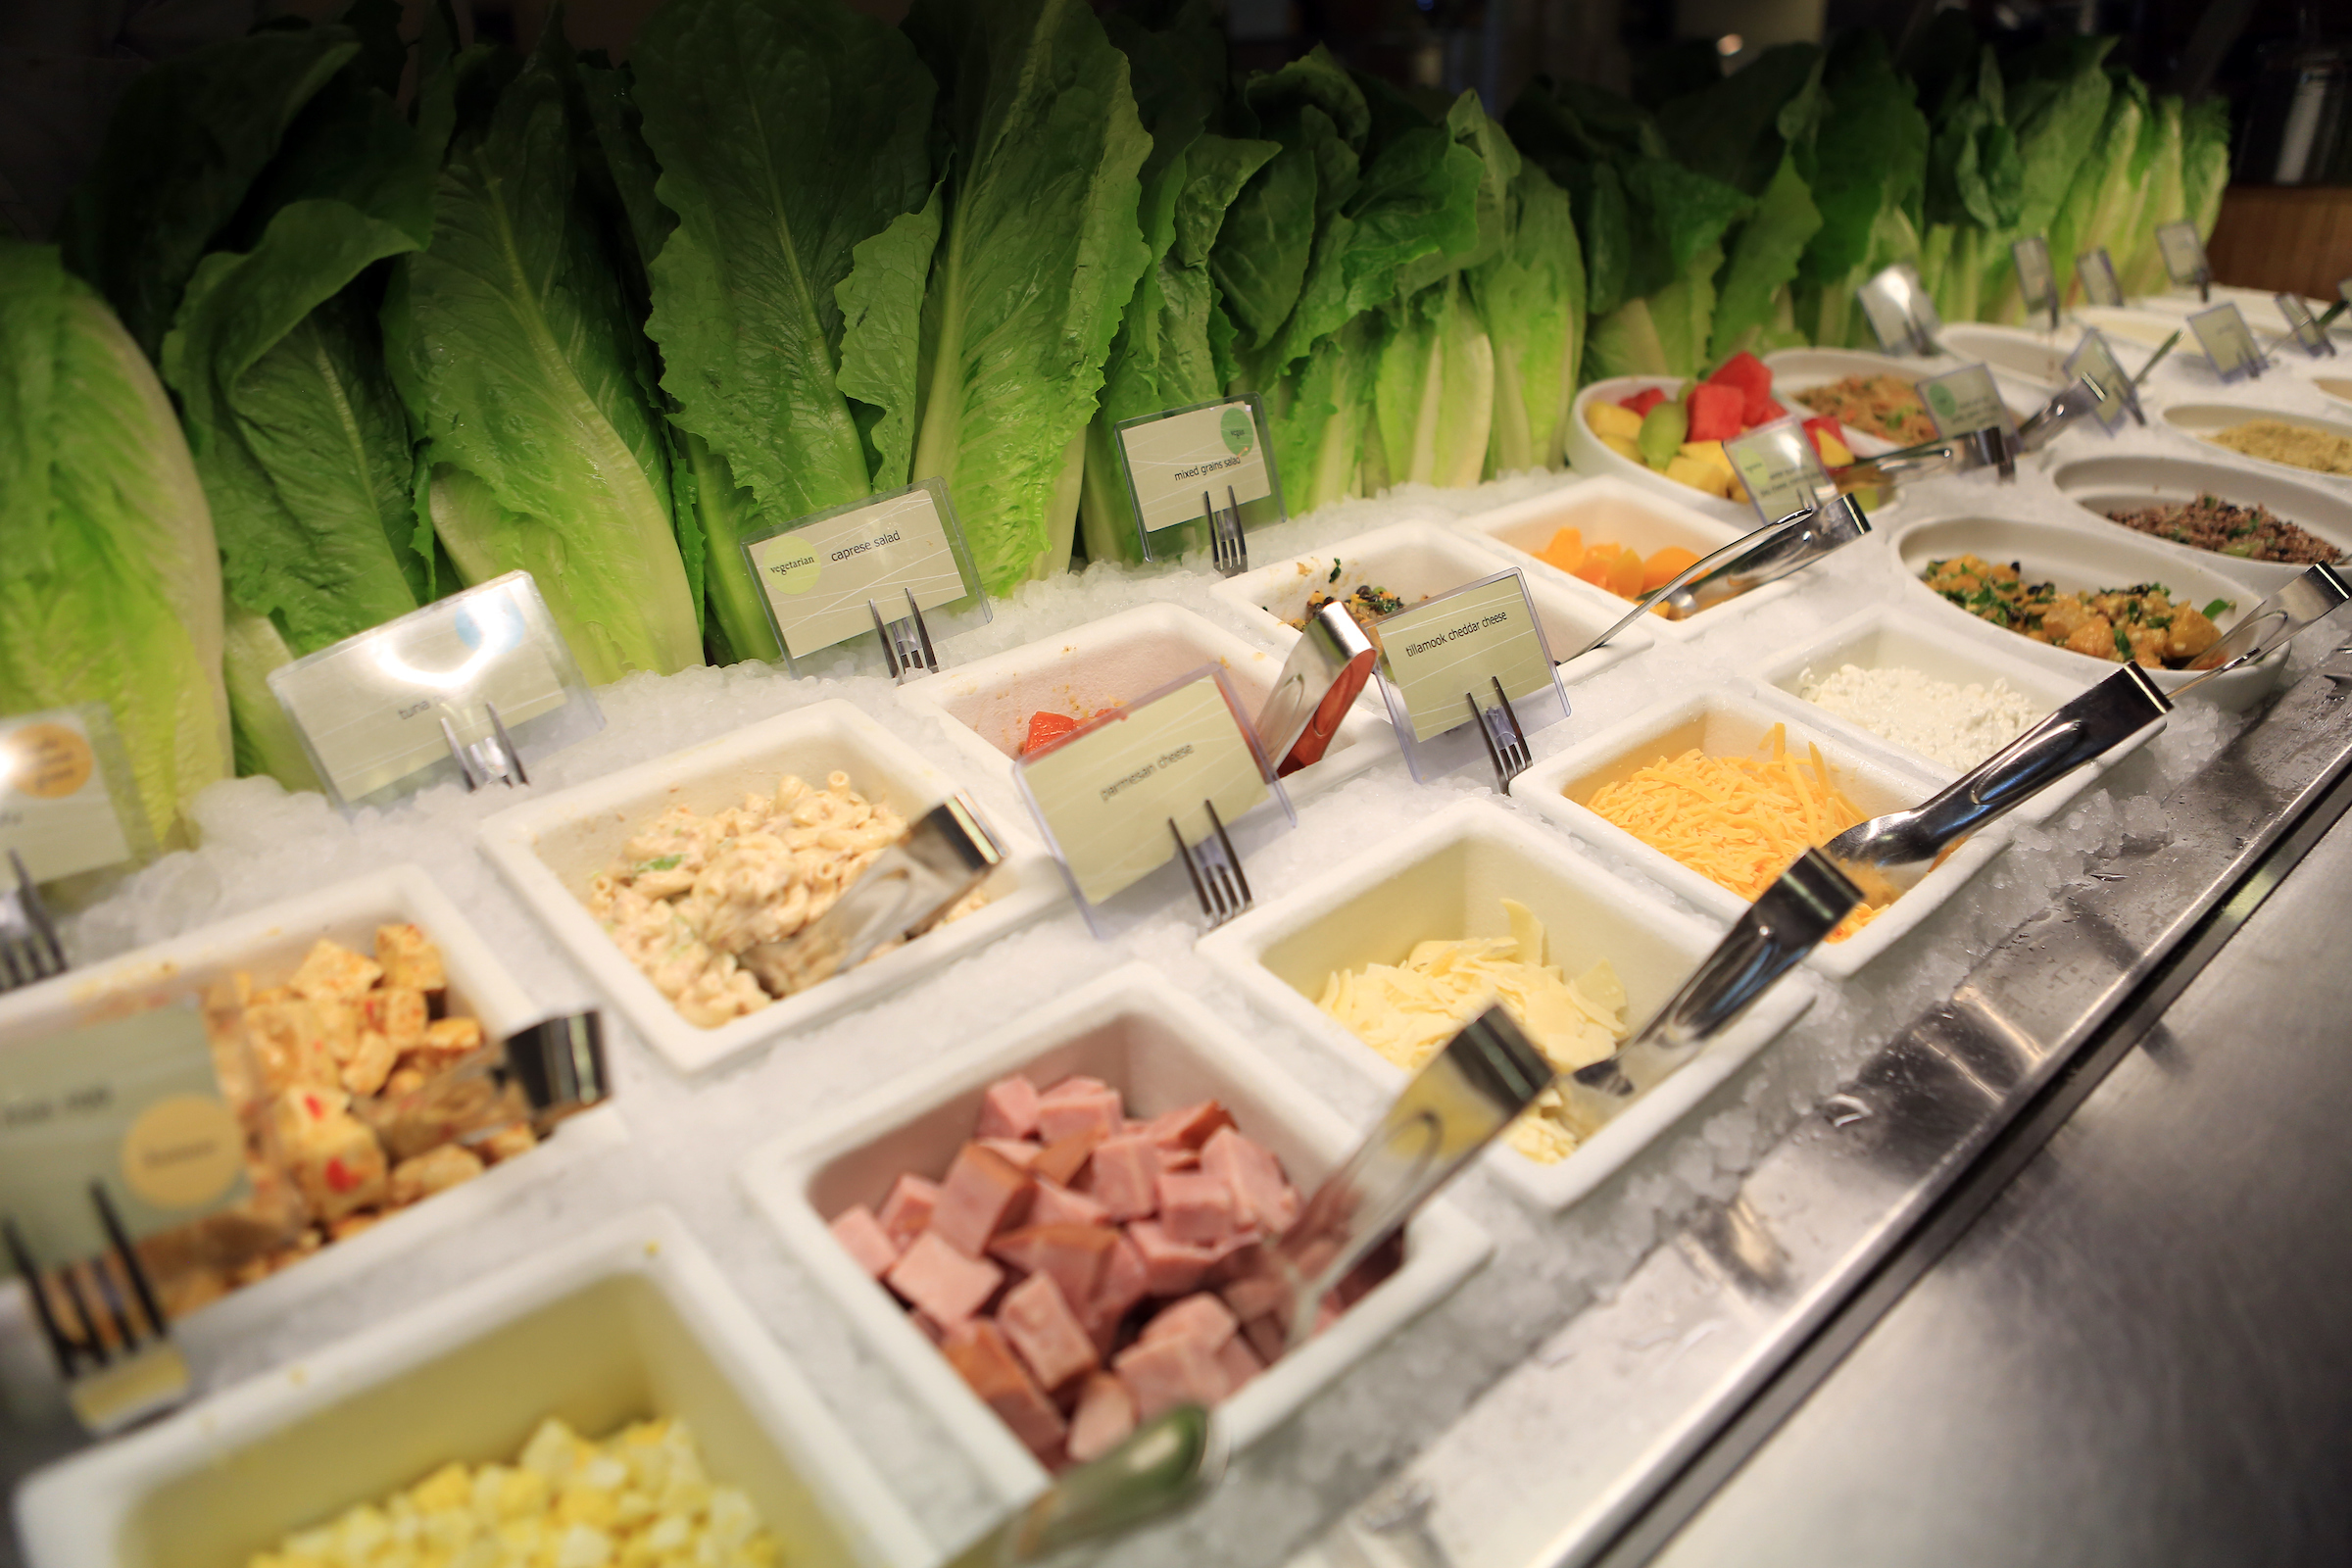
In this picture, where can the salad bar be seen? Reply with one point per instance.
(1370, 1023)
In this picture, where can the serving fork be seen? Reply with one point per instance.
(30, 949)
(1228, 548)
(105, 1327)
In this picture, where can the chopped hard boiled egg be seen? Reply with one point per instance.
(638, 1499)
(1408, 1012)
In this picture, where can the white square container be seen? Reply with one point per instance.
(1417, 561)
(548, 850)
(630, 1321)
(985, 704)
(1881, 638)
(1734, 724)
(1612, 509)
(1137, 1032)
(269, 944)
(1446, 880)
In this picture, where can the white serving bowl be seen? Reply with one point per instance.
(1418, 560)
(2127, 480)
(1630, 514)
(628, 1321)
(1590, 458)
(2082, 559)
(1735, 723)
(2335, 383)
(1886, 637)
(2143, 328)
(1163, 1050)
(2016, 355)
(550, 849)
(269, 944)
(2202, 419)
(985, 704)
(1447, 879)
(1795, 370)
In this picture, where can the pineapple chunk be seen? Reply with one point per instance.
(1698, 474)
(1609, 420)
(1834, 454)
(1623, 447)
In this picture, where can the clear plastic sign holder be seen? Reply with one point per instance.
(2037, 278)
(2185, 257)
(2343, 303)
(2094, 269)
(462, 690)
(1780, 469)
(1968, 400)
(2229, 343)
(69, 803)
(1207, 469)
(2094, 361)
(1900, 311)
(1166, 792)
(894, 569)
(2310, 336)
(1468, 676)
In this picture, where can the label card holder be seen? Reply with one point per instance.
(1105, 795)
(1967, 399)
(1780, 469)
(2185, 257)
(424, 699)
(68, 804)
(2095, 361)
(1441, 660)
(1900, 311)
(2229, 343)
(2310, 336)
(1181, 465)
(2037, 278)
(818, 574)
(2096, 273)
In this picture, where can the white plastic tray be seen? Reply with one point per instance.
(1732, 722)
(1134, 1030)
(1447, 879)
(548, 850)
(630, 1321)
(985, 705)
(2124, 480)
(1417, 561)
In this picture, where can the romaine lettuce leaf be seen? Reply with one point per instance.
(1531, 295)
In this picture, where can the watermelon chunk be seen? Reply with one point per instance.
(1746, 372)
(1716, 412)
(1642, 401)
(1761, 411)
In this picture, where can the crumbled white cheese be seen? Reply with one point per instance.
(1958, 726)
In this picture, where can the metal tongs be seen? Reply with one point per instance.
(539, 1075)
(1792, 917)
(1749, 561)
(1990, 448)
(908, 889)
(2313, 597)
(1321, 679)
(2069, 404)
(1162, 1463)
(1898, 849)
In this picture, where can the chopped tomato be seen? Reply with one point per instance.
(1642, 401)
(1716, 412)
(1046, 731)
(341, 1177)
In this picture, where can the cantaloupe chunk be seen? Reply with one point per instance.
(1594, 567)
(1625, 575)
(1663, 566)
(1566, 550)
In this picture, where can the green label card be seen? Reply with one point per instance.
(1781, 467)
(1108, 794)
(56, 807)
(2183, 253)
(1181, 463)
(2092, 359)
(2096, 272)
(1965, 400)
(818, 573)
(1459, 644)
(2228, 342)
(2037, 279)
(132, 1102)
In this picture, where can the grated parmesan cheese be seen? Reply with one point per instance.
(1958, 726)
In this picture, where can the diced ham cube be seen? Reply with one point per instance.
(1077, 1105)
(1104, 1417)
(1196, 1207)
(978, 1352)
(1124, 1281)
(862, 1236)
(1036, 1319)
(1072, 1254)
(906, 1211)
(1238, 1363)
(1171, 1267)
(1265, 1197)
(984, 1192)
(1190, 1127)
(1019, 1151)
(943, 1282)
(1175, 1157)
(1254, 1294)
(1058, 1206)
(1063, 1162)
(1126, 1173)
(1164, 1372)
(1008, 1109)
(1265, 1337)
(1201, 1316)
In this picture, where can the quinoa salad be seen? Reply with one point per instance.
(2251, 533)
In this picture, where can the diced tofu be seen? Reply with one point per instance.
(408, 958)
(984, 1192)
(1104, 1418)
(515, 1138)
(331, 969)
(1036, 1319)
(369, 1064)
(1612, 420)
(338, 1027)
(396, 1012)
(434, 1171)
(862, 1236)
(336, 1160)
(443, 1041)
(289, 1047)
(943, 1282)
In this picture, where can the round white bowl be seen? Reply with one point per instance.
(2081, 560)
(2202, 419)
(2016, 354)
(2147, 329)
(1795, 370)
(1589, 455)
(2125, 480)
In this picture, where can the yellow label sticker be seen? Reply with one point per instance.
(819, 576)
(1182, 465)
(183, 1152)
(1453, 648)
(56, 810)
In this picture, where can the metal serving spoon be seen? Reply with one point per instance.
(1162, 1463)
(2315, 595)
(1749, 561)
(1326, 671)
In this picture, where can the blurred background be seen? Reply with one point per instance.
(2284, 66)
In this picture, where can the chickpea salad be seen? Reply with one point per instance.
(2138, 624)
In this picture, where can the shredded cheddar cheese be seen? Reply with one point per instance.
(1739, 821)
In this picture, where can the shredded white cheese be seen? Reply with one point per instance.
(1958, 726)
